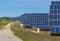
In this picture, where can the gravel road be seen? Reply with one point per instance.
(7, 35)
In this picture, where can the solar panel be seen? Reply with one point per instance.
(55, 17)
(52, 30)
(55, 30)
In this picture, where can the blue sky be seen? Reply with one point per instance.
(13, 8)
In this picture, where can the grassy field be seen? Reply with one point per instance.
(3, 23)
(27, 35)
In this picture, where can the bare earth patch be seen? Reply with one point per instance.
(7, 35)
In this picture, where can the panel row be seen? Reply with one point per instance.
(55, 30)
(54, 16)
(54, 23)
(53, 11)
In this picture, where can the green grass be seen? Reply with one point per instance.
(15, 30)
(27, 35)
(18, 34)
(3, 23)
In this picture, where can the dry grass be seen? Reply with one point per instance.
(27, 35)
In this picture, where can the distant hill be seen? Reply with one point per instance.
(10, 18)
(15, 19)
(7, 18)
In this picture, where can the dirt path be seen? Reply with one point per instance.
(7, 35)
(7, 27)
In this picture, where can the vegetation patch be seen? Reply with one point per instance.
(3, 22)
(27, 35)
(17, 30)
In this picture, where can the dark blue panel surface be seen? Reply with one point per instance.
(58, 16)
(52, 2)
(51, 7)
(51, 11)
(58, 7)
(55, 23)
(55, 16)
(58, 11)
(51, 23)
(51, 17)
(52, 30)
(56, 2)
(55, 7)
(55, 11)
(58, 23)
(57, 29)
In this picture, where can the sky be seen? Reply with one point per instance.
(14, 8)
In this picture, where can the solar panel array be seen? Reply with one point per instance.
(40, 20)
(44, 20)
(36, 20)
(55, 17)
